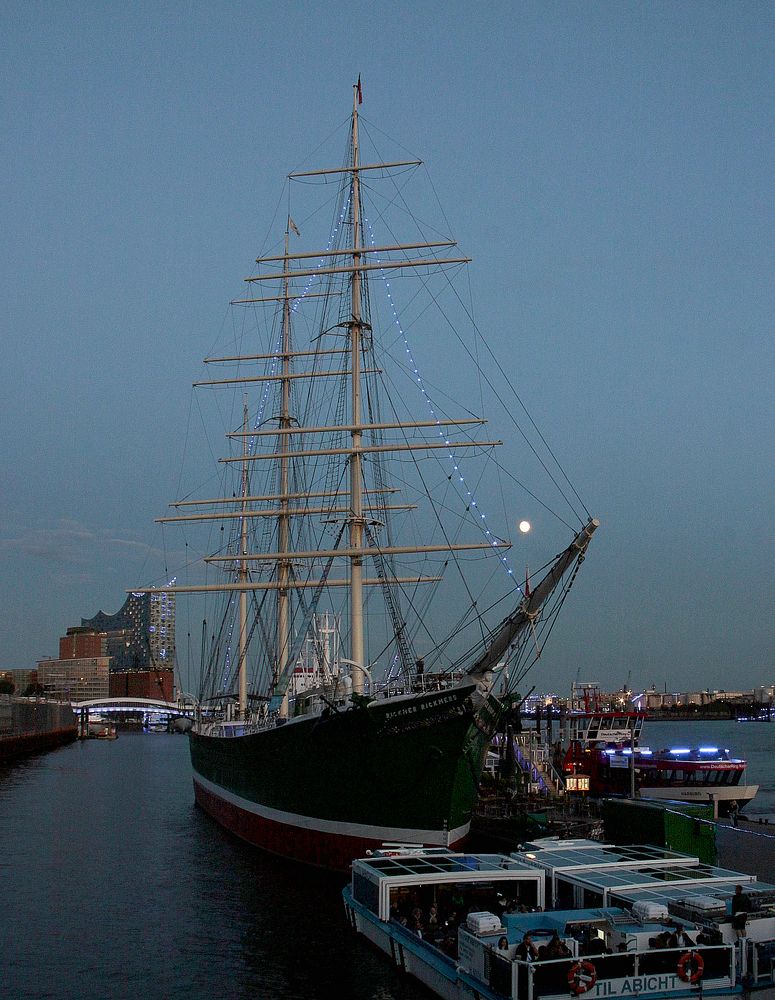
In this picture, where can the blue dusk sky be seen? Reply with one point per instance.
(609, 167)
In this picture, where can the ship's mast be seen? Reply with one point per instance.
(283, 525)
(243, 575)
(356, 496)
(351, 499)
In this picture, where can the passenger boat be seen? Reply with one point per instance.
(485, 905)
(613, 766)
(605, 748)
(389, 743)
(103, 732)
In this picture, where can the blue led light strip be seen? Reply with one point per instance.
(310, 281)
(461, 487)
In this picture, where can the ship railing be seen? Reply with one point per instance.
(760, 962)
(626, 974)
(419, 684)
(236, 727)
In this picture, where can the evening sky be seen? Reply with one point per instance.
(609, 166)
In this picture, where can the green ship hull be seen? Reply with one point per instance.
(325, 789)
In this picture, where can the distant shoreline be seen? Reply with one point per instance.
(730, 714)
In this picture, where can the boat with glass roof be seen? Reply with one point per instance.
(561, 919)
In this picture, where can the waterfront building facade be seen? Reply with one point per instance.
(81, 642)
(80, 679)
(157, 684)
(141, 635)
(21, 679)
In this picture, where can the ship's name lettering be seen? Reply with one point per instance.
(413, 709)
(422, 723)
(638, 984)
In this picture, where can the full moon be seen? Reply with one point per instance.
(524, 527)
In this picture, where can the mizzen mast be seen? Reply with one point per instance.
(242, 668)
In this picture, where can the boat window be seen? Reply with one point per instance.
(437, 910)
(564, 900)
(366, 892)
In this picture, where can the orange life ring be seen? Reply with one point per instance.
(581, 977)
(691, 966)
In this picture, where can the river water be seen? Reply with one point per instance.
(114, 886)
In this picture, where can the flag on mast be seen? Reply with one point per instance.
(293, 226)
(360, 92)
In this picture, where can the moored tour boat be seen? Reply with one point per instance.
(475, 925)
(606, 748)
(387, 742)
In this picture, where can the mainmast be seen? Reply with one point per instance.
(283, 525)
(356, 496)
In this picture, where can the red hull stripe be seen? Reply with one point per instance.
(313, 841)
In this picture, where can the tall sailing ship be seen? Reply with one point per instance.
(385, 740)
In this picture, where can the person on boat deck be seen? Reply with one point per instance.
(741, 907)
(680, 939)
(557, 947)
(526, 950)
(503, 944)
(415, 922)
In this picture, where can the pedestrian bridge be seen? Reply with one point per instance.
(157, 714)
(183, 706)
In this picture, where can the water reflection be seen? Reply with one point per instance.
(117, 886)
